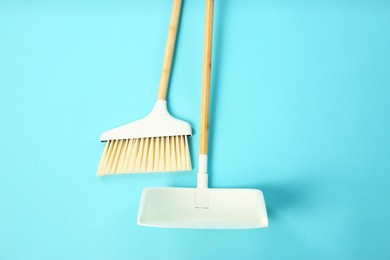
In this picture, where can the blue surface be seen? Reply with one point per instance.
(300, 109)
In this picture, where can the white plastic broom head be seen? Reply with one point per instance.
(156, 143)
(159, 123)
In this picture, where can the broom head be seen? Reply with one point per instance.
(156, 143)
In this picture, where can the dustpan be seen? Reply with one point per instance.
(210, 208)
(203, 207)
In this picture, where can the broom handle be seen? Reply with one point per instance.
(204, 117)
(202, 179)
(169, 50)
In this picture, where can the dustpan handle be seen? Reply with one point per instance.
(206, 77)
(204, 116)
(169, 49)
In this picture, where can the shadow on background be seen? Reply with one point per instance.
(220, 11)
(177, 46)
(281, 198)
(286, 196)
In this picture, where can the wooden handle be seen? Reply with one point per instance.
(169, 50)
(208, 40)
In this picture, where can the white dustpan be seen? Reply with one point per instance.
(203, 207)
(216, 209)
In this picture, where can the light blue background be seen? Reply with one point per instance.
(300, 109)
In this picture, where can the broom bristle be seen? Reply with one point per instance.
(141, 155)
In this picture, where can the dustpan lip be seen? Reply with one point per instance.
(161, 225)
(261, 222)
(178, 188)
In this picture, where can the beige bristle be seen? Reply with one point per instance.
(167, 159)
(142, 155)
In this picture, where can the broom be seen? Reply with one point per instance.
(156, 143)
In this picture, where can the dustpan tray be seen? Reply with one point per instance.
(220, 209)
